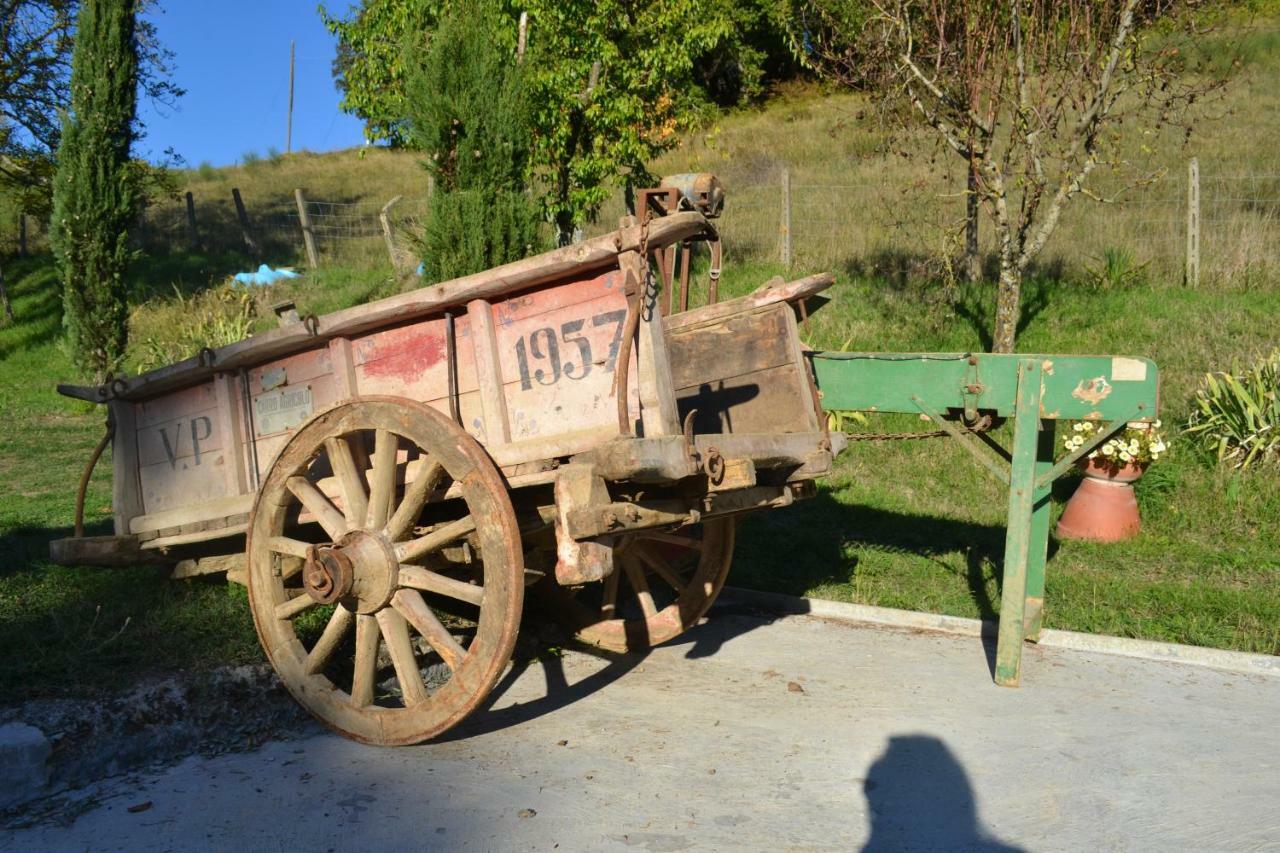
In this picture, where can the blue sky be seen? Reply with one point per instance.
(232, 57)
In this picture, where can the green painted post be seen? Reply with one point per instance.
(1038, 547)
(1026, 429)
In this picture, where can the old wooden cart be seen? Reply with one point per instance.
(398, 472)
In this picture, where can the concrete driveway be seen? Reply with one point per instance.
(754, 733)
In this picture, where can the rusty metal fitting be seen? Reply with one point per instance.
(713, 465)
(327, 575)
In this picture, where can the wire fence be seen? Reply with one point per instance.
(1192, 225)
(1197, 226)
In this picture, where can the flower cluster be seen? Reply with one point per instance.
(1139, 442)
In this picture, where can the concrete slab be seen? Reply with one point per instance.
(758, 734)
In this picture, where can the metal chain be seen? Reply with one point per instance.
(894, 436)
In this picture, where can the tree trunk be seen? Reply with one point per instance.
(4, 297)
(972, 260)
(1008, 301)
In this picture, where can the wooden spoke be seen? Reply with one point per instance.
(333, 522)
(425, 579)
(355, 502)
(290, 567)
(660, 567)
(676, 539)
(289, 547)
(395, 630)
(388, 458)
(329, 641)
(407, 552)
(366, 666)
(382, 482)
(635, 574)
(294, 606)
(430, 473)
(609, 603)
(411, 606)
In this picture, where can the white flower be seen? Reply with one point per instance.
(1108, 449)
(1077, 427)
(1158, 447)
(1126, 456)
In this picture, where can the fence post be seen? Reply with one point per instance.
(1193, 223)
(255, 251)
(786, 217)
(22, 235)
(193, 236)
(384, 218)
(308, 238)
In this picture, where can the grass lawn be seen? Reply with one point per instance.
(914, 524)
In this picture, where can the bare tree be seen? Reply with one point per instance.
(1031, 94)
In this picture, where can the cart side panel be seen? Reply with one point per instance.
(743, 374)
(282, 394)
(181, 449)
(556, 352)
(411, 361)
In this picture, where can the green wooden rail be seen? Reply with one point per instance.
(1036, 391)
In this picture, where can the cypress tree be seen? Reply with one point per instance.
(95, 194)
(470, 113)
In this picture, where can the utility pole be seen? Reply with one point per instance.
(288, 134)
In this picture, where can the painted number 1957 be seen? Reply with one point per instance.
(542, 349)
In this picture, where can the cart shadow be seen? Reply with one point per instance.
(560, 688)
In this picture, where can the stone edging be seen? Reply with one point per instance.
(1241, 662)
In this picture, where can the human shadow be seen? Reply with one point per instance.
(919, 798)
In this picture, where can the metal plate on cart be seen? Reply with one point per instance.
(277, 411)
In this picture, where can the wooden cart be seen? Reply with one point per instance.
(397, 473)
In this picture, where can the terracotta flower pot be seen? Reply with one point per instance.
(1104, 507)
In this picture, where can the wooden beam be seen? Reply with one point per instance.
(493, 399)
(575, 260)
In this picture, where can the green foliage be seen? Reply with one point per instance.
(1115, 269)
(469, 113)
(655, 67)
(96, 196)
(1237, 414)
(181, 328)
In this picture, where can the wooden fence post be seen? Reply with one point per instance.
(384, 218)
(22, 235)
(786, 217)
(255, 251)
(193, 236)
(308, 238)
(1193, 223)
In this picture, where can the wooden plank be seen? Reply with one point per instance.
(203, 511)
(734, 346)
(172, 540)
(225, 563)
(546, 268)
(227, 423)
(493, 401)
(771, 292)
(1013, 589)
(344, 368)
(126, 484)
(658, 411)
(110, 551)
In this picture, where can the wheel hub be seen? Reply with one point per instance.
(360, 570)
(327, 575)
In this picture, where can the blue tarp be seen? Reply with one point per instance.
(264, 275)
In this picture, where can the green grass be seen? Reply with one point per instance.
(916, 525)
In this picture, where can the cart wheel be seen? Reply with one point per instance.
(663, 582)
(387, 616)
